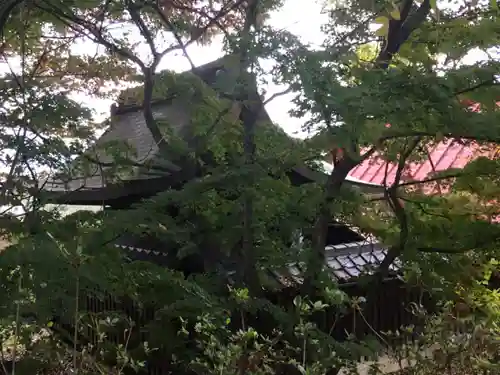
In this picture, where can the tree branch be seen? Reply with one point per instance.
(134, 10)
(95, 33)
(484, 242)
(400, 30)
(250, 110)
(400, 213)
(399, 34)
(473, 137)
(316, 258)
(278, 94)
(5, 12)
(183, 45)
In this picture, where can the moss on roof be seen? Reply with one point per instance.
(212, 117)
(167, 85)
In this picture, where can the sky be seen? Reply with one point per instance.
(304, 19)
(301, 18)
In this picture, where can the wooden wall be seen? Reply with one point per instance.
(389, 313)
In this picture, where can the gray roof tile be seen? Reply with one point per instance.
(353, 260)
(129, 126)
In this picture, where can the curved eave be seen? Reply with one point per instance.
(108, 193)
(151, 186)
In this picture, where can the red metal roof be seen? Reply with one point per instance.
(444, 155)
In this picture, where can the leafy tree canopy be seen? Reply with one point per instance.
(391, 79)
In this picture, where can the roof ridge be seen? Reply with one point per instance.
(120, 108)
(353, 248)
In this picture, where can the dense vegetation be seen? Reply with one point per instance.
(428, 73)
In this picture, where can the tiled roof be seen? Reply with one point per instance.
(444, 155)
(129, 126)
(345, 261)
(351, 260)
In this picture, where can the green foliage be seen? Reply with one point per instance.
(168, 85)
(239, 213)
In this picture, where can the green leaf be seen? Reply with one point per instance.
(494, 4)
(382, 31)
(382, 20)
(395, 14)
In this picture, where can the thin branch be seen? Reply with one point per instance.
(439, 178)
(440, 250)
(433, 166)
(490, 82)
(133, 10)
(400, 213)
(180, 43)
(183, 45)
(278, 94)
(403, 159)
(479, 243)
(213, 21)
(126, 162)
(250, 111)
(95, 34)
(404, 134)
(421, 207)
